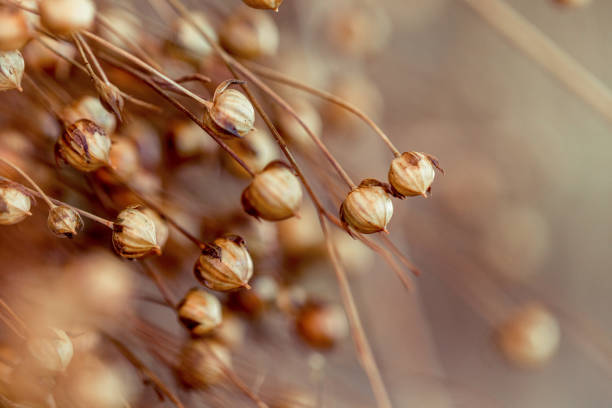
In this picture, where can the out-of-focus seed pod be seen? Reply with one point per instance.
(573, 3)
(257, 149)
(232, 330)
(162, 231)
(190, 38)
(123, 157)
(321, 326)
(354, 255)
(274, 194)
(15, 203)
(530, 337)
(301, 236)
(254, 302)
(412, 173)
(225, 264)
(121, 21)
(361, 92)
(249, 34)
(84, 145)
(294, 398)
(261, 236)
(64, 221)
(40, 58)
(264, 4)
(293, 130)
(200, 312)
(14, 29)
(90, 107)
(368, 208)
(51, 351)
(231, 114)
(190, 140)
(134, 234)
(147, 141)
(11, 70)
(64, 17)
(359, 31)
(110, 97)
(199, 368)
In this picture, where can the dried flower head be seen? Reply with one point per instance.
(412, 173)
(51, 351)
(257, 149)
(64, 221)
(368, 208)
(200, 312)
(90, 107)
(225, 264)
(14, 29)
(190, 38)
(15, 203)
(124, 158)
(321, 325)
(11, 70)
(67, 16)
(162, 231)
(231, 113)
(249, 34)
(264, 4)
(199, 368)
(274, 194)
(84, 145)
(134, 234)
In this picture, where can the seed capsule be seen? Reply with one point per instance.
(64, 17)
(412, 173)
(15, 204)
(264, 4)
(321, 326)
(274, 193)
(190, 38)
(256, 149)
(51, 352)
(11, 70)
(64, 221)
(134, 234)
(199, 368)
(162, 232)
(84, 145)
(530, 337)
(123, 156)
(225, 264)
(231, 114)
(249, 34)
(368, 208)
(200, 312)
(14, 29)
(90, 107)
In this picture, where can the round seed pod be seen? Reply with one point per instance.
(231, 113)
(199, 368)
(124, 158)
(14, 29)
(200, 312)
(84, 145)
(90, 107)
(249, 34)
(162, 231)
(293, 130)
(15, 203)
(11, 70)
(274, 194)
(359, 31)
(320, 325)
(368, 208)
(225, 264)
(412, 173)
(51, 351)
(190, 38)
(64, 221)
(134, 234)
(190, 140)
(264, 4)
(64, 17)
(256, 149)
(530, 337)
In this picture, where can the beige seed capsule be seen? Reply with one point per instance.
(190, 38)
(162, 231)
(124, 158)
(200, 312)
(64, 221)
(231, 113)
(199, 368)
(321, 326)
(225, 264)
(84, 145)
(274, 194)
(15, 204)
(90, 107)
(250, 34)
(368, 208)
(257, 149)
(264, 4)
(11, 70)
(64, 17)
(51, 351)
(14, 29)
(134, 234)
(412, 173)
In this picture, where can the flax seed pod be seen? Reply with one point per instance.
(368, 208)
(51, 351)
(64, 221)
(162, 231)
(64, 17)
(264, 4)
(412, 173)
(124, 158)
(231, 113)
(200, 312)
(274, 194)
(189, 140)
(199, 368)
(225, 264)
(15, 203)
(84, 145)
(320, 325)
(293, 130)
(11, 70)
(190, 38)
(134, 234)
(90, 107)
(257, 149)
(14, 29)
(249, 34)
(253, 303)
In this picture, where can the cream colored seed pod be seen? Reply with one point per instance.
(231, 113)
(256, 149)
(14, 29)
(90, 107)
(15, 204)
(64, 17)
(225, 264)
(530, 337)
(250, 34)
(124, 158)
(368, 208)
(199, 368)
(134, 234)
(264, 4)
(11, 70)
(64, 221)
(274, 194)
(200, 312)
(52, 351)
(293, 130)
(190, 140)
(322, 326)
(190, 38)
(84, 145)
(359, 30)
(412, 173)
(162, 231)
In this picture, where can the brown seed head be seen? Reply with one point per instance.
(368, 208)
(321, 326)
(274, 194)
(11, 70)
(14, 29)
(84, 145)
(64, 17)
(225, 264)
(232, 114)
(15, 203)
(134, 234)
(250, 34)
(198, 366)
(51, 351)
(264, 4)
(257, 149)
(200, 312)
(64, 221)
(412, 173)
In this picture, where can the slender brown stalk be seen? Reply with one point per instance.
(46, 100)
(90, 55)
(29, 179)
(161, 286)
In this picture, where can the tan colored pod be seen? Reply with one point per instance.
(162, 231)
(134, 234)
(250, 34)
(11, 70)
(368, 208)
(51, 351)
(14, 29)
(225, 264)
(64, 17)
(231, 113)
(199, 368)
(84, 145)
(412, 173)
(264, 4)
(15, 203)
(90, 107)
(321, 326)
(64, 221)
(200, 312)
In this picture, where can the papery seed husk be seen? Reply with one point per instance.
(225, 264)
(322, 326)
(84, 145)
(232, 114)
(200, 369)
(368, 208)
(14, 29)
(412, 174)
(67, 16)
(257, 149)
(15, 204)
(191, 38)
(64, 221)
(12, 66)
(200, 312)
(264, 4)
(134, 234)
(90, 107)
(52, 351)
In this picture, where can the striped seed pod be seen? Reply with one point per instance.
(225, 264)
(231, 113)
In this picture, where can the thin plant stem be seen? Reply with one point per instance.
(161, 286)
(14, 316)
(93, 58)
(46, 99)
(29, 179)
